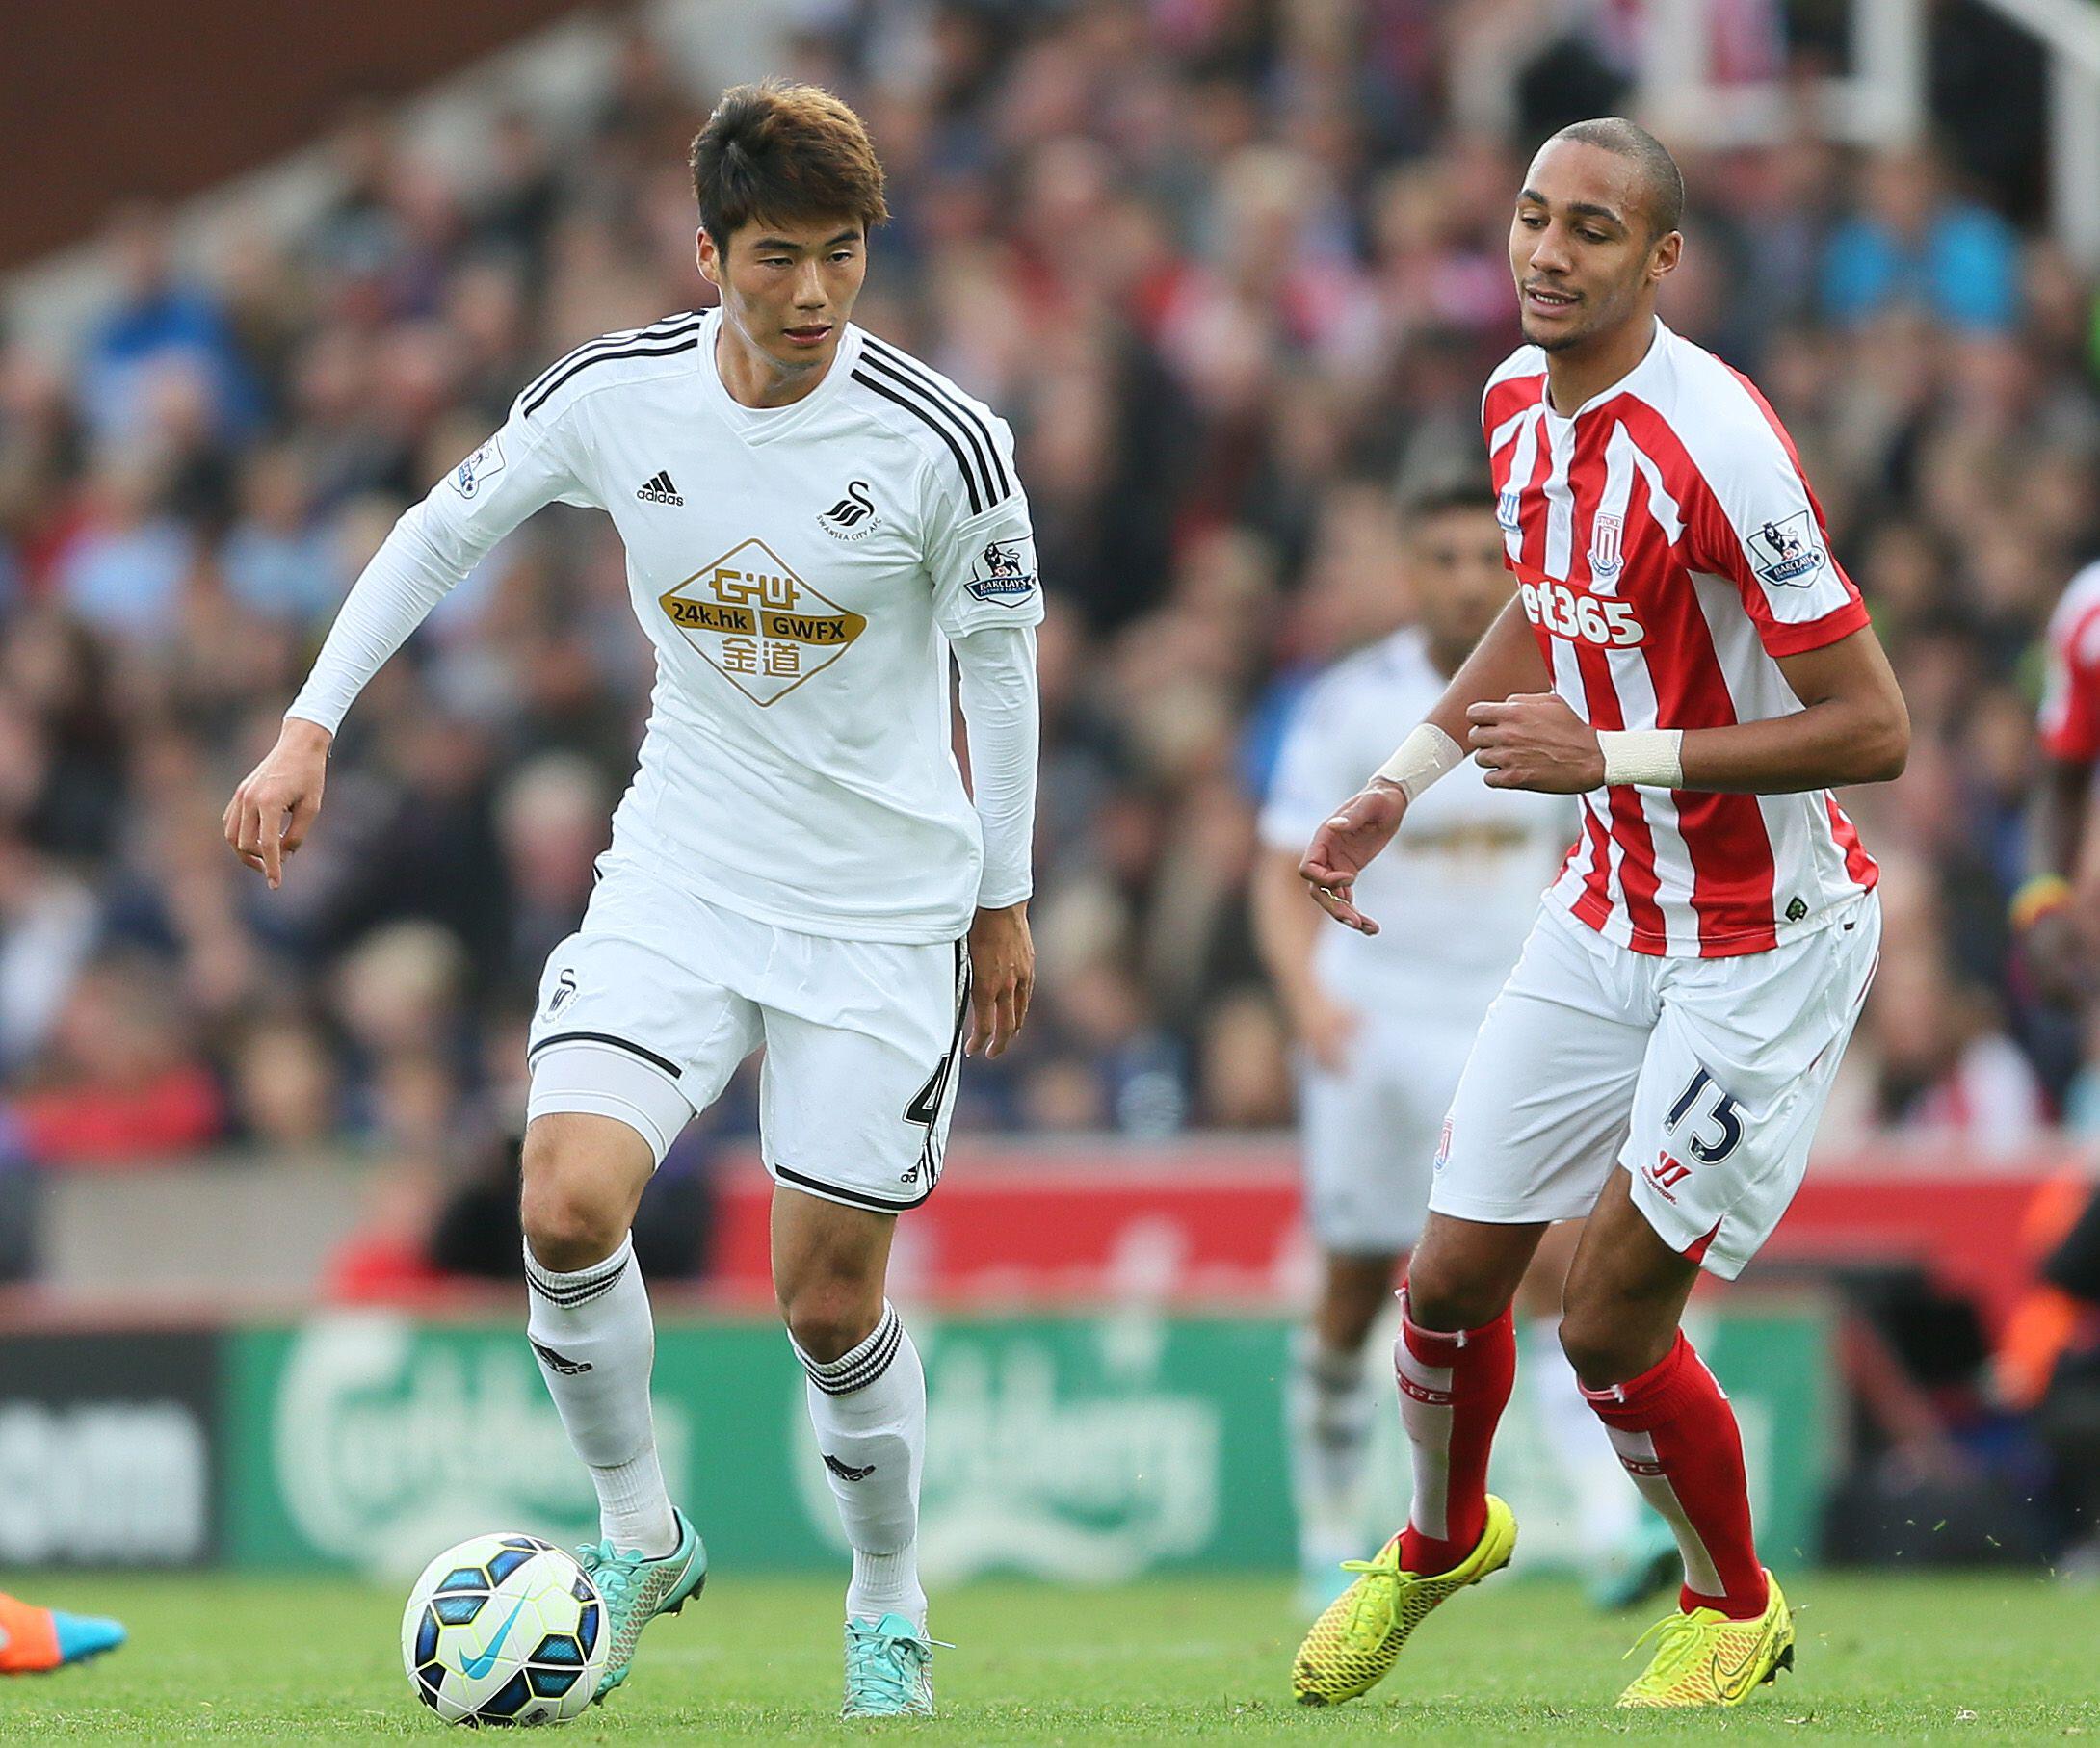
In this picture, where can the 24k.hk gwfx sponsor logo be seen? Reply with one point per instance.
(761, 626)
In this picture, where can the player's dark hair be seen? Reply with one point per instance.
(785, 152)
(1468, 489)
(1661, 180)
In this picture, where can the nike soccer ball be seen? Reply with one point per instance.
(505, 1629)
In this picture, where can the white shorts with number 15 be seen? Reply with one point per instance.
(1702, 1078)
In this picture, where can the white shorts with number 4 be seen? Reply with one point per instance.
(1703, 1078)
(647, 1010)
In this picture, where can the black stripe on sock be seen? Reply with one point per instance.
(888, 1338)
(572, 1294)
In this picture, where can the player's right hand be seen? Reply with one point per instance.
(1344, 846)
(277, 802)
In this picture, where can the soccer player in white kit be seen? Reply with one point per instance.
(1690, 659)
(1383, 1024)
(814, 521)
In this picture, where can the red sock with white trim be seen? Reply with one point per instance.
(1677, 1437)
(1453, 1389)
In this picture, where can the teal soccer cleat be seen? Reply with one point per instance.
(890, 1669)
(637, 1590)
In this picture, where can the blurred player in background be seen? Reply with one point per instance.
(1383, 1024)
(813, 521)
(2057, 911)
(1690, 658)
(36, 1640)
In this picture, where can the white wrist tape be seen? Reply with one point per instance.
(1652, 758)
(1418, 761)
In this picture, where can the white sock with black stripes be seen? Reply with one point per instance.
(594, 1340)
(869, 1410)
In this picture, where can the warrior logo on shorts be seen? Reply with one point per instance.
(563, 994)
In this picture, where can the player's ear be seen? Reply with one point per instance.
(705, 257)
(1668, 251)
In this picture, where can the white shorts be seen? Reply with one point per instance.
(647, 1010)
(1703, 1077)
(1370, 1128)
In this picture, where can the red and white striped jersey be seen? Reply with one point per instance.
(2070, 699)
(1667, 548)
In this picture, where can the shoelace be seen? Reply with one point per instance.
(1680, 1640)
(1372, 1595)
(876, 1659)
(614, 1576)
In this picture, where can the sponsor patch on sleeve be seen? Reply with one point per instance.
(483, 464)
(1787, 553)
(1004, 572)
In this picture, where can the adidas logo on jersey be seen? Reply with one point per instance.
(659, 490)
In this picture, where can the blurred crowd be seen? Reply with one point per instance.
(1234, 271)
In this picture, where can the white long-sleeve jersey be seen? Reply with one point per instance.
(804, 573)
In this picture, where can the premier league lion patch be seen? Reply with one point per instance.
(483, 464)
(1005, 573)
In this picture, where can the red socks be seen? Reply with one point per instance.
(1453, 1390)
(1677, 1437)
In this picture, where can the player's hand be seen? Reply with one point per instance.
(1533, 740)
(275, 804)
(1343, 847)
(1326, 1027)
(1002, 978)
(2058, 954)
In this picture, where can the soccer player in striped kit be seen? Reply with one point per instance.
(1687, 656)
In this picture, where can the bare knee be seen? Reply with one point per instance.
(829, 1318)
(1463, 1274)
(576, 1204)
(1609, 1342)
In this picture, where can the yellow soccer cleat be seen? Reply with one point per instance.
(1707, 1660)
(1353, 1645)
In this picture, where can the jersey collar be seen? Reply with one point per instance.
(1651, 364)
(758, 426)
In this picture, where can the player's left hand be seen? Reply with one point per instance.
(1002, 978)
(1533, 740)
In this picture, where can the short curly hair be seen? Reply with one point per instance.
(783, 151)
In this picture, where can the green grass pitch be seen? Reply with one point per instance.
(1933, 1659)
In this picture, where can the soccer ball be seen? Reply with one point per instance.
(505, 1629)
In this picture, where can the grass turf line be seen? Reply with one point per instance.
(1929, 1660)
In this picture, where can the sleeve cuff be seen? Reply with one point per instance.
(1781, 638)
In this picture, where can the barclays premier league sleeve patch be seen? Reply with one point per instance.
(482, 465)
(1787, 552)
(1004, 572)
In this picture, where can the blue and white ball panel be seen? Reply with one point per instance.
(504, 1630)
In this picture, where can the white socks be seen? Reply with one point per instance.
(869, 1410)
(1327, 1412)
(1606, 1508)
(596, 1343)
